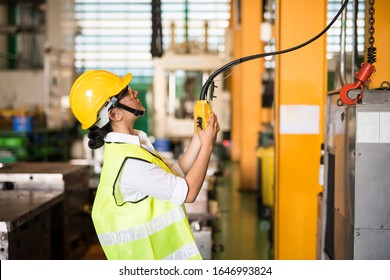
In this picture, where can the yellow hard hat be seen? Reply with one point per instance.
(91, 91)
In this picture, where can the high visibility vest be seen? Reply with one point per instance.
(149, 229)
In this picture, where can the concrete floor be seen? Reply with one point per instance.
(238, 231)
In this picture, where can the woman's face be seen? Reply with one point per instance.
(131, 100)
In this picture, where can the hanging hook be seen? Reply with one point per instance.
(363, 76)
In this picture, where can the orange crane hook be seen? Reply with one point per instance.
(363, 76)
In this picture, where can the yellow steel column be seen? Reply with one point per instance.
(382, 42)
(246, 89)
(250, 92)
(235, 24)
(300, 88)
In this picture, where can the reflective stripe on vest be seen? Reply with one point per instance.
(185, 252)
(142, 231)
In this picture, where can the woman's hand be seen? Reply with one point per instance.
(208, 136)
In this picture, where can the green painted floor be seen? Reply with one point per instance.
(240, 230)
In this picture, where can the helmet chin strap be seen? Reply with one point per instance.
(129, 109)
(136, 112)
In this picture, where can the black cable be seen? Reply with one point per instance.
(205, 87)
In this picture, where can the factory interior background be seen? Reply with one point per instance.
(299, 170)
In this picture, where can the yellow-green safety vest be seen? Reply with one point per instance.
(149, 229)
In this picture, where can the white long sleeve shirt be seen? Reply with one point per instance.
(140, 179)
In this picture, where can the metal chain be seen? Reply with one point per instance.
(371, 50)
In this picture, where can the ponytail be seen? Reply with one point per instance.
(96, 136)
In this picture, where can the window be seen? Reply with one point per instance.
(333, 34)
(116, 35)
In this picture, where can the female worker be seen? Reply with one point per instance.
(138, 212)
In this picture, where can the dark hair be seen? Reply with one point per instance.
(96, 136)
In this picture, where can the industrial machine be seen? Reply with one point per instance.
(203, 212)
(178, 79)
(73, 229)
(28, 224)
(199, 217)
(180, 74)
(355, 206)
